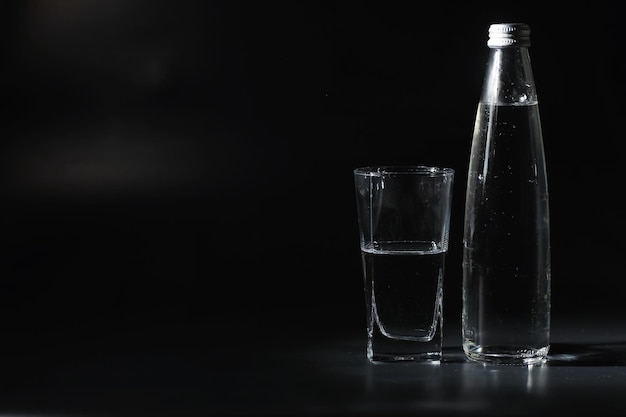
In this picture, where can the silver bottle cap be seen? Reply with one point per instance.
(508, 35)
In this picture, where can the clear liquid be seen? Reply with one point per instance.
(404, 294)
(506, 253)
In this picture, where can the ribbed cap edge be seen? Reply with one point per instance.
(508, 34)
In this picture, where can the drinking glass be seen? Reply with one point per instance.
(404, 223)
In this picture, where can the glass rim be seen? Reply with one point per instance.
(381, 170)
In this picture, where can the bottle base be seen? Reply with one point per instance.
(506, 355)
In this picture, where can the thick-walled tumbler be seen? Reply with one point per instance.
(404, 223)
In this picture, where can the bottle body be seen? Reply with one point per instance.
(506, 242)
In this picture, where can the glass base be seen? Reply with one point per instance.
(381, 348)
(431, 357)
(506, 355)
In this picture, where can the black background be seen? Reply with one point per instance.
(169, 165)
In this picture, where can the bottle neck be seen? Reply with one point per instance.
(509, 78)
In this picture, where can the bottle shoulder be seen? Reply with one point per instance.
(509, 78)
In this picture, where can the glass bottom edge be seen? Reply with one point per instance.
(431, 357)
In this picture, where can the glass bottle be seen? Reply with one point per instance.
(506, 243)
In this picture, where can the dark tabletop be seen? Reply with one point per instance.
(253, 369)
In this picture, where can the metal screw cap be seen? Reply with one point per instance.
(508, 35)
